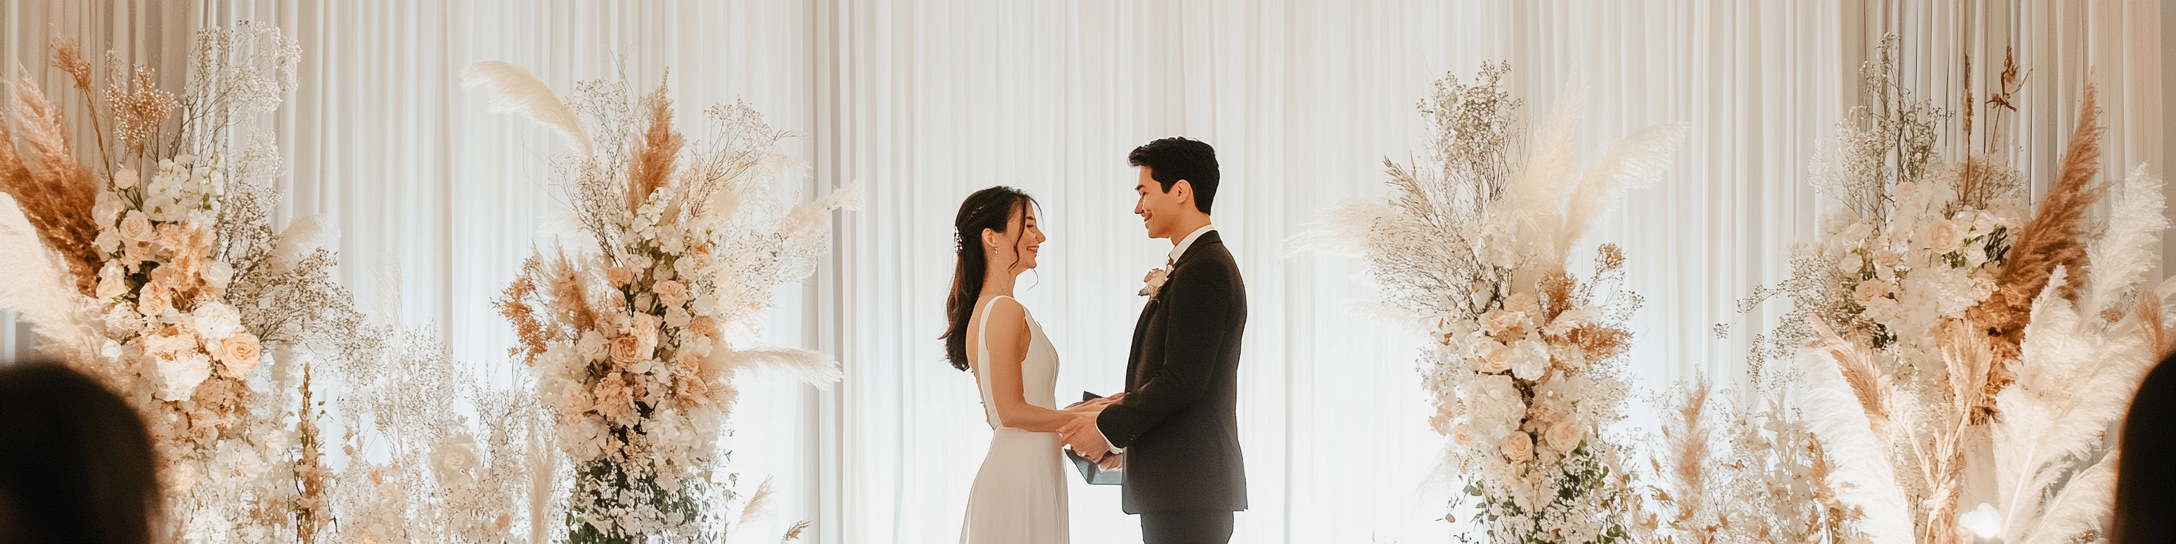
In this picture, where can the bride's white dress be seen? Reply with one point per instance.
(1019, 495)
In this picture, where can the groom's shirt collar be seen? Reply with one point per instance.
(1179, 249)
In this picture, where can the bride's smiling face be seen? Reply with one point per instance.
(1015, 249)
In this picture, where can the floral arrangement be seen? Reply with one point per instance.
(1939, 325)
(1524, 365)
(1742, 473)
(634, 343)
(158, 269)
(421, 470)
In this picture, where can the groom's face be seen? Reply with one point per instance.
(1159, 210)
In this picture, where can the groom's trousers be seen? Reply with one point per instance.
(1190, 527)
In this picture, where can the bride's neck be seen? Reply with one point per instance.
(998, 283)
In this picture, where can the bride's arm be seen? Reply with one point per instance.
(1008, 341)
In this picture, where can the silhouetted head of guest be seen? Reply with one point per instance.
(76, 463)
(2145, 480)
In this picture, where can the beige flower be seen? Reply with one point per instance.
(592, 346)
(123, 319)
(170, 343)
(671, 292)
(1504, 324)
(1518, 446)
(615, 401)
(239, 353)
(1869, 290)
(1982, 287)
(154, 302)
(619, 276)
(124, 179)
(135, 227)
(179, 376)
(111, 282)
(1943, 236)
(1563, 436)
(1153, 282)
(626, 350)
(1888, 259)
(1498, 359)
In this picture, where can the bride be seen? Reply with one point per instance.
(1019, 495)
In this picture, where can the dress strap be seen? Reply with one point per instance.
(982, 334)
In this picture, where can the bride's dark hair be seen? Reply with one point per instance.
(992, 209)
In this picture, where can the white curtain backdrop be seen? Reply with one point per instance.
(924, 101)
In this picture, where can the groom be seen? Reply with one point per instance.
(1176, 426)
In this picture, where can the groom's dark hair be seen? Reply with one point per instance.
(1172, 159)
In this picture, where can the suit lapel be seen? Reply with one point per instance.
(1155, 305)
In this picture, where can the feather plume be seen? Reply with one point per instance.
(2073, 381)
(1636, 162)
(1862, 475)
(54, 191)
(1686, 436)
(39, 287)
(812, 367)
(543, 469)
(1535, 193)
(1344, 229)
(2081, 507)
(759, 505)
(2052, 239)
(813, 219)
(2128, 249)
(514, 90)
(652, 164)
(303, 235)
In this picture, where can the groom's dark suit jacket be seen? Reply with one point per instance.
(1178, 421)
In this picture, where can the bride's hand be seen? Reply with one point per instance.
(1112, 461)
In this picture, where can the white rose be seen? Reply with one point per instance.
(1518, 446)
(135, 226)
(1888, 259)
(124, 179)
(1463, 435)
(1944, 236)
(108, 241)
(1529, 358)
(1856, 232)
(670, 292)
(1850, 264)
(591, 347)
(111, 281)
(1563, 436)
(122, 318)
(218, 273)
(1870, 290)
(179, 376)
(216, 321)
(453, 459)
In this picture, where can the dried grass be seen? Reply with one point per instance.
(2054, 238)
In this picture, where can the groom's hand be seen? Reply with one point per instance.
(1082, 435)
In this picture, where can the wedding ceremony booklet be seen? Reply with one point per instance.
(1094, 474)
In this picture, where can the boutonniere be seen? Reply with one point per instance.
(1154, 281)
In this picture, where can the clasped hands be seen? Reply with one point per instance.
(1082, 435)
